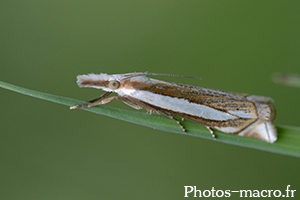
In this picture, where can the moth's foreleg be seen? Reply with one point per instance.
(104, 101)
(100, 97)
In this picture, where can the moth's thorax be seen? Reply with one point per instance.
(134, 84)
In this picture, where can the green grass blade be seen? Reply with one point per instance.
(288, 142)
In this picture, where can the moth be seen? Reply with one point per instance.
(239, 114)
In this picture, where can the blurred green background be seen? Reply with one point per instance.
(51, 152)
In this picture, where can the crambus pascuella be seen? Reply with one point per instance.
(240, 114)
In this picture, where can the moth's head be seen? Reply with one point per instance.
(105, 82)
(100, 81)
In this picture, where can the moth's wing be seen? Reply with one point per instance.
(216, 111)
(262, 130)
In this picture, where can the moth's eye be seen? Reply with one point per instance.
(113, 84)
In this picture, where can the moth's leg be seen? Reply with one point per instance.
(171, 117)
(139, 104)
(100, 97)
(104, 101)
(130, 102)
(93, 100)
(211, 132)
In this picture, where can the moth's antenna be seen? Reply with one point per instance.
(130, 75)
